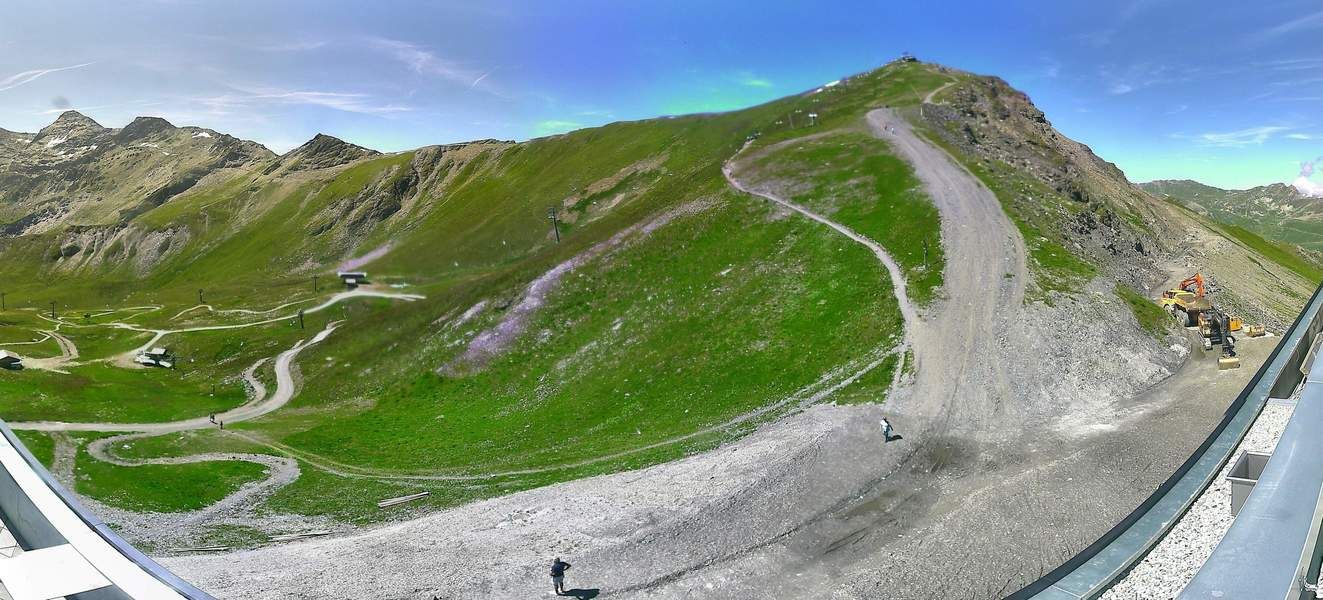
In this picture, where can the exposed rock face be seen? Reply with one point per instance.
(75, 172)
(1102, 216)
(143, 127)
(69, 126)
(324, 151)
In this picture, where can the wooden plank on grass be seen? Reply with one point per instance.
(389, 502)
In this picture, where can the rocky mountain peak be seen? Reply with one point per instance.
(70, 124)
(145, 126)
(324, 151)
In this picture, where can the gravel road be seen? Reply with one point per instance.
(987, 490)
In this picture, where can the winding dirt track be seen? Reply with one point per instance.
(725, 516)
(898, 285)
(260, 405)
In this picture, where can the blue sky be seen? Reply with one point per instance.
(1224, 92)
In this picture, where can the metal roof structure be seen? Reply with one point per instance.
(52, 547)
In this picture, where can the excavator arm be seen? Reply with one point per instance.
(1194, 283)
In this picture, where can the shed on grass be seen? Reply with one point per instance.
(352, 278)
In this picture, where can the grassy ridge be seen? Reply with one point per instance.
(1278, 252)
(726, 309)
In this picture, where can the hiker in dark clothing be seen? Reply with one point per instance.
(558, 568)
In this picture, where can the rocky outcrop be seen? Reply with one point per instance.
(1085, 202)
(69, 126)
(322, 152)
(144, 127)
(74, 172)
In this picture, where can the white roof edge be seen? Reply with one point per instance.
(127, 575)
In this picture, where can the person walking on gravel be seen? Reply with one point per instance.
(558, 568)
(888, 431)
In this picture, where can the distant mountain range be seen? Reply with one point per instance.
(1278, 211)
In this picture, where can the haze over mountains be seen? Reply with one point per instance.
(1279, 211)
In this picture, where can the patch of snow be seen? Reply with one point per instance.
(55, 142)
(202, 134)
(150, 145)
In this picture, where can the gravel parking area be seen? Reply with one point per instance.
(1174, 561)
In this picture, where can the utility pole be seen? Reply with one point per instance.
(200, 296)
(2, 300)
(314, 284)
(52, 309)
(300, 318)
(555, 224)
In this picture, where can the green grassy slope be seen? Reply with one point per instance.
(658, 344)
(1283, 254)
(173, 488)
(854, 178)
(39, 444)
(1277, 212)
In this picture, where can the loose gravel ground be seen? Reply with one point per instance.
(1175, 560)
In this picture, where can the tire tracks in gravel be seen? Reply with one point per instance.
(953, 345)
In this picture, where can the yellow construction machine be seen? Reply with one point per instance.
(1190, 305)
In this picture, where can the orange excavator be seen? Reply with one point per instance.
(1190, 304)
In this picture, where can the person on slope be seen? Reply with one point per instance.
(888, 431)
(558, 569)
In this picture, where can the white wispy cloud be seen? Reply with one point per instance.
(1301, 136)
(1124, 79)
(1097, 39)
(553, 126)
(88, 108)
(292, 46)
(1252, 136)
(26, 77)
(748, 79)
(1302, 23)
(1120, 88)
(342, 101)
(425, 62)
